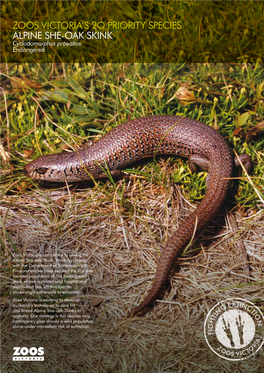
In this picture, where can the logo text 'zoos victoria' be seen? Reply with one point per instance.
(28, 354)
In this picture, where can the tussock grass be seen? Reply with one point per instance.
(121, 226)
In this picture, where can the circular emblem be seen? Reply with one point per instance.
(234, 329)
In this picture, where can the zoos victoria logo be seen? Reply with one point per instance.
(28, 354)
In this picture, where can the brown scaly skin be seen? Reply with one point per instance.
(146, 137)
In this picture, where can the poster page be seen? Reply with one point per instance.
(132, 186)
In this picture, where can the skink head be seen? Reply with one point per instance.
(44, 168)
(61, 168)
(54, 168)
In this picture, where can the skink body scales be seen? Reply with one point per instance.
(147, 137)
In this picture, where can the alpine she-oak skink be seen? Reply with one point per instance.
(144, 137)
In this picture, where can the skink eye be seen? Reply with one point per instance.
(41, 170)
